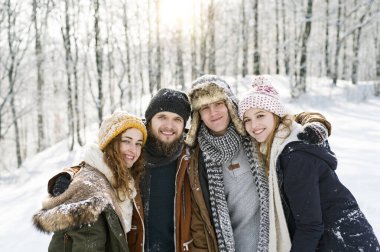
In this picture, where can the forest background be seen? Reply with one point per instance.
(65, 64)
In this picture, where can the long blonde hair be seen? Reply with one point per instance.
(122, 174)
(287, 122)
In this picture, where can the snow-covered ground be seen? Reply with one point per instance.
(353, 112)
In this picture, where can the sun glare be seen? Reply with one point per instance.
(174, 11)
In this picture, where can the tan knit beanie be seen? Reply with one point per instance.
(116, 123)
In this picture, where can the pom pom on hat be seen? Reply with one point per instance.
(116, 123)
(263, 96)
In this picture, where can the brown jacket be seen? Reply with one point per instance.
(202, 230)
(136, 237)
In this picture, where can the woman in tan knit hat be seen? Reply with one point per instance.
(94, 213)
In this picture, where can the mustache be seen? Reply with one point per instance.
(163, 148)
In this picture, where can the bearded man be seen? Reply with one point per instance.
(160, 225)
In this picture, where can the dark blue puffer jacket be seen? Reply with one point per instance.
(321, 212)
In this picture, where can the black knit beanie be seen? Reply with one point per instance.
(169, 100)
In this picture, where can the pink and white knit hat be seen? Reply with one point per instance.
(263, 96)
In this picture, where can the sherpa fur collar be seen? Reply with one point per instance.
(86, 198)
(209, 89)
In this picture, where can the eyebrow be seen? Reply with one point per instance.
(261, 110)
(128, 137)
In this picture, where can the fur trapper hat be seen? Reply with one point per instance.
(116, 123)
(208, 89)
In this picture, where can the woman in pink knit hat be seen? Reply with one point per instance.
(320, 212)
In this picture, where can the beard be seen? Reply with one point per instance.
(163, 148)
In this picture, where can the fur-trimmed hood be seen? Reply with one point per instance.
(89, 193)
(209, 89)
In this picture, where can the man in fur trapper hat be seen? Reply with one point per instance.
(225, 173)
(229, 185)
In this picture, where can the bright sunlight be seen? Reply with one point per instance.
(174, 11)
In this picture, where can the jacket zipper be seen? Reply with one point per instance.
(66, 238)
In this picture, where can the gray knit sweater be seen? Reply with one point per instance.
(243, 202)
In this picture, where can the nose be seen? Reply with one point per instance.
(133, 149)
(169, 124)
(213, 110)
(252, 124)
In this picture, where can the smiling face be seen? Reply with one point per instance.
(167, 127)
(259, 124)
(130, 145)
(215, 116)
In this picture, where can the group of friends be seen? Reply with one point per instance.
(246, 176)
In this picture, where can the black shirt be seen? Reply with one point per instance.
(161, 208)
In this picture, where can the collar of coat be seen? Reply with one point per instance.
(94, 157)
(89, 193)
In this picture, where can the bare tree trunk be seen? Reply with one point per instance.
(203, 49)
(68, 64)
(127, 49)
(355, 60)
(377, 52)
(194, 63)
(338, 44)
(284, 39)
(76, 95)
(158, 47)
(377, 62)
(15, 124)
(138, 55)
(277, 61)
(99, 61)
(41, 144)
(150, 50)
(236, 55)
(211, 33)
(244, 37)
(327, 54)
(76, 81)
(301, 85)
(256, 53)
(12, 72)
(344, 44)
(295, 48)
(110, 58)
(180, 75)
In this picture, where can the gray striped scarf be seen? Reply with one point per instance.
(218, 150)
